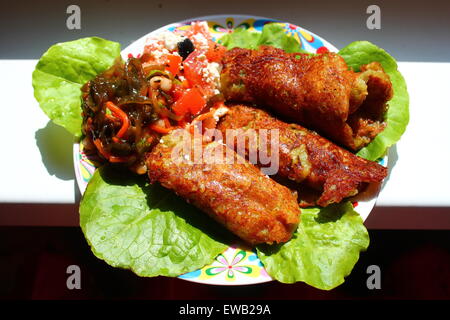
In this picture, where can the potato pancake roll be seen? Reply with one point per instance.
(319, 92)
(304, 156)
(233, 192)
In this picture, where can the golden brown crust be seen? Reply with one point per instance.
(238, 195)
(306, 157)
(319, 92)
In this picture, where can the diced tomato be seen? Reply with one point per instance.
(173, 64)
(215, 51)
(177, 91)
(180, 107)
(197, 102)
(192, 101)
(193, 66)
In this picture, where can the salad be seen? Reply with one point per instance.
(164, 88)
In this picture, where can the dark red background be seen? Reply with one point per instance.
(33, 262)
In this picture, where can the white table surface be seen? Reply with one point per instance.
(36, 162)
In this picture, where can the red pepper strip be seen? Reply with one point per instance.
(115, 159)
(160, 129)
(200, 118)
(167, 123)
(204, 116)
(122, 116)
(103, 152)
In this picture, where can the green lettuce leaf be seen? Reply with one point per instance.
(323, 250)
(241, 38)
(362, 52)
(147, 229)
(272, 34)
(62, 71)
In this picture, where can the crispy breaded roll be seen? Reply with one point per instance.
(316, 91)
(233, 192)
(305, 157)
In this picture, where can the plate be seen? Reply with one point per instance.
(239, 264)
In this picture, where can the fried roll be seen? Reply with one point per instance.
(233, 192)
(304, 156)
(316, 91)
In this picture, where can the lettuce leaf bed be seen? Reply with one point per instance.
(147, 229)
(151, 231)
(63, 70)
(322, 252)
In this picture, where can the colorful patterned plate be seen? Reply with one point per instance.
(239, 264)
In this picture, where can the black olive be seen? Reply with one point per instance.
(185, 48)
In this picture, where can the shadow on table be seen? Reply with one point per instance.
(55, 146)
